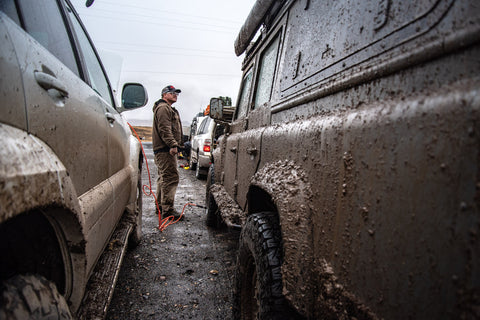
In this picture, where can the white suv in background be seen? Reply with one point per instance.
(200, 156)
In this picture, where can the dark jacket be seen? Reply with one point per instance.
(167, 127)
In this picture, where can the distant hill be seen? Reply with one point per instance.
(145, 133)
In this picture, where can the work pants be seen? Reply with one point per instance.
(167, 181)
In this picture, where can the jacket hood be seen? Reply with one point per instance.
(157, 103)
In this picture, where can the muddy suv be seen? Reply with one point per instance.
(352, 162)
(69, 167)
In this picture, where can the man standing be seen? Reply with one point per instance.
(167, 139)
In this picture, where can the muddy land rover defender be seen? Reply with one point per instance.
(70, 169)
(352, 162)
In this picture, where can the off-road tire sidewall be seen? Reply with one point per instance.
(32, 297)
(260, 251)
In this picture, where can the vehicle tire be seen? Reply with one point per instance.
(213, 219)
(191, 164)
(197, 172)
(210, 181)
(136, 234)
(32, 297)
(258, 278)
(199, 175)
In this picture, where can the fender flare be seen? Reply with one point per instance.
(136, 161)
(32, 176)
(290, 191)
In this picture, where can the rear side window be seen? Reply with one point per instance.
(266, 74)
(43, 20)
(204, 126)
(94, 73)
(243, 101)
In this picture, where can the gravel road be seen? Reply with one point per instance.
(184, 272)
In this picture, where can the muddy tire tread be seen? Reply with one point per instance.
(260, 243)
(32, 297)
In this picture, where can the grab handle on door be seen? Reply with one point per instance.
(110, 117)
(47, 82)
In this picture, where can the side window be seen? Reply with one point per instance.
(94, 74)
(202, 126)
(8, 7)
(243, 101)
(193, 129)
(45, 24)
(267, 71)
(205, 125)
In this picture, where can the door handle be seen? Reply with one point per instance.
(252, 151)
(47, 82)
(233, 149)
(110, 117)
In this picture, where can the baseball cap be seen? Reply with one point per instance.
(170, 89)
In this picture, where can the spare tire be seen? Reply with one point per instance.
(32, 297)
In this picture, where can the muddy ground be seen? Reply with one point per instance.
(184, 272)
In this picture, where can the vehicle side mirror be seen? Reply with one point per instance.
(221, 109)
(134, 96)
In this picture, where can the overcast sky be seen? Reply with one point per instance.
(185, 43)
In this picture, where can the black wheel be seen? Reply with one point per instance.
(191, 164)
(32, 297)
(214, 220)
(197, 171)
(136, 235)
(198, 174)
(210, 181)
(258, 281)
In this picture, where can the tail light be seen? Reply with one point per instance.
(206, 145)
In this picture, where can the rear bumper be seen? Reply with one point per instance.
(204, 161)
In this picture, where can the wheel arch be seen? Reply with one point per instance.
(284, 188)
(43, 241)
(259, 200)
(38, 199)
(31, 175)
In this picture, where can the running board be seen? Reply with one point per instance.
(100, 286)
(231, 213)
